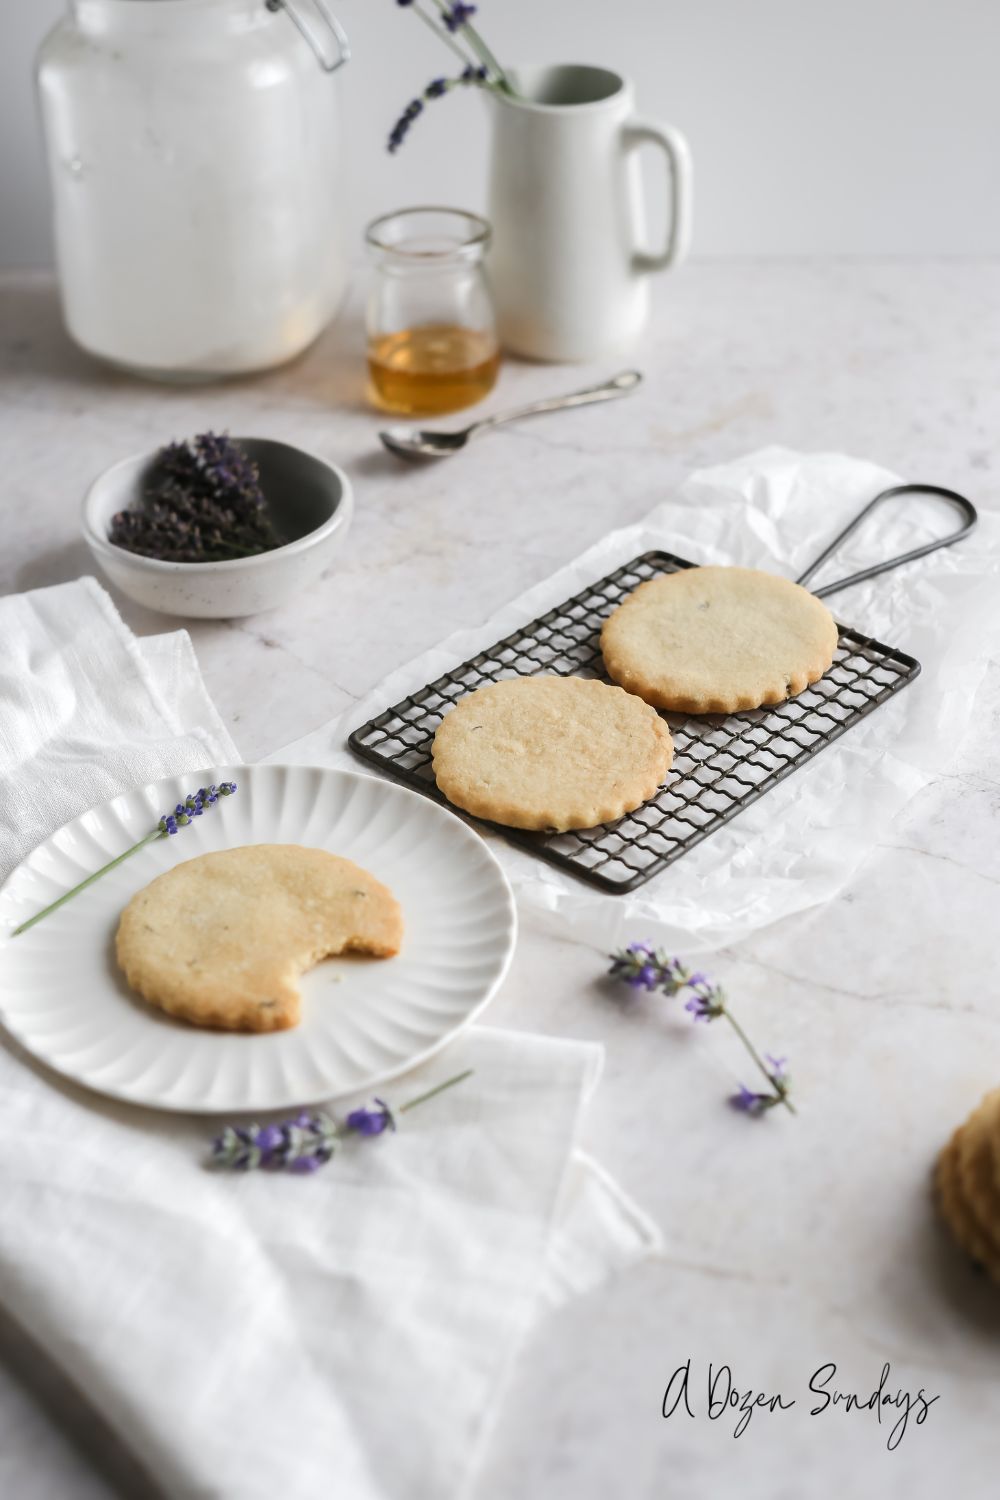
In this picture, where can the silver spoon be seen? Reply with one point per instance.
(419, 443)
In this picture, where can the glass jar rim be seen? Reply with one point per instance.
(429, 235)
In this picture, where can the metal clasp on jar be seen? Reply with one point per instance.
(327, 63)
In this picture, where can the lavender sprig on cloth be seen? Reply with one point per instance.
(184, 813)
(309, 1139)
(642, 967)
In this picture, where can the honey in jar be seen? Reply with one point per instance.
(438, 367)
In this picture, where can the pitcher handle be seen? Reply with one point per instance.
(675, 148)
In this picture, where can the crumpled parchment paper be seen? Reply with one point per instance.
(800, 843)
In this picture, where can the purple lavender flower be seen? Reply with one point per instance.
(641, 966)
(750, 1103)
(301, 1144)
(451, 22)
(271, 1139)
(308, 1140)
(457, 15)
(371, 1119)
(436, 89)
(703, 1006)
(193, 806)
(401, 128)
(202, 502)
(310, 1163)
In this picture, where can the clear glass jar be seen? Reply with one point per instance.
(195, 153)
(432, 341)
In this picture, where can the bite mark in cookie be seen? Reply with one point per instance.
(222, 940)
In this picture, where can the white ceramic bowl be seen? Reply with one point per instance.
(309, 500)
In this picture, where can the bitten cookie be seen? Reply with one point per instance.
(551, 752)
(221, 940)
(717, 640)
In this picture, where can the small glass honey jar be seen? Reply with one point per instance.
(432, 341)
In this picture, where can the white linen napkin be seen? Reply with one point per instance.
(245, 1336)
(85, 713)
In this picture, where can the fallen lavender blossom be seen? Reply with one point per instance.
(643, 967)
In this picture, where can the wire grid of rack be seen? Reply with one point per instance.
(722, 763)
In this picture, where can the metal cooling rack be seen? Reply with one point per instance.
(722, 763)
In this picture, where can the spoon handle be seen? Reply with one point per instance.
(619, 385)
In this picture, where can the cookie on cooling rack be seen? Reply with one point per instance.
(551, 753)
(221, 940)
(718, 640)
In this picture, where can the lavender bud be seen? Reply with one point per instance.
(371, 1119)
(456, 17)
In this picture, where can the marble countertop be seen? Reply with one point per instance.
(789, 1244)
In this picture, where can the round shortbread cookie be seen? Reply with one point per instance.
(221, 940)
(978, 1164)
(718, 640)
(957, 1212)
(551, 753)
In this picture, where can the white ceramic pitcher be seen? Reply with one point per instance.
(570, 264)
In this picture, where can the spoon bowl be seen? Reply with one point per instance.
(419, 443)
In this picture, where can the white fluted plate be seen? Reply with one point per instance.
(364, 1021)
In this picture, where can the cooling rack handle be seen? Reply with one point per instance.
(965, 508)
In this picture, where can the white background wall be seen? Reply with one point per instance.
(848, 126)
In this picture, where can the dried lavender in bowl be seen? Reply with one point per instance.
(203, 503)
